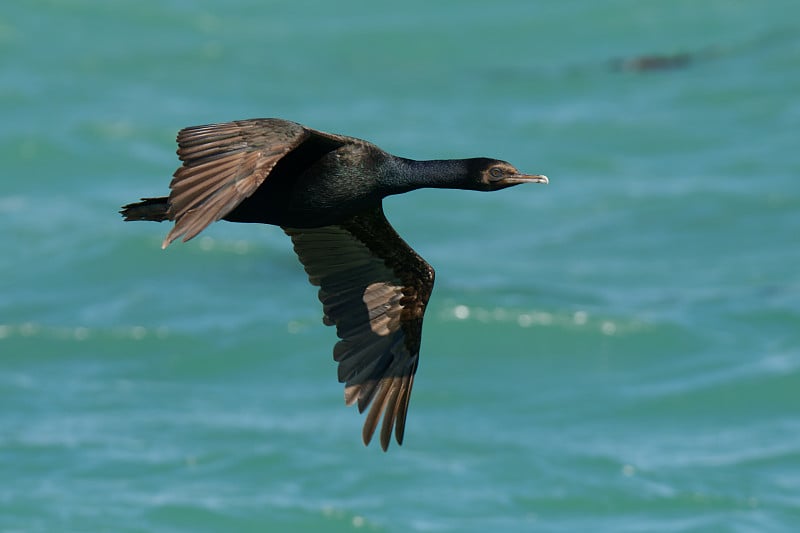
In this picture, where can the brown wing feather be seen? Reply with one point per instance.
(225, 163)
(374, 288)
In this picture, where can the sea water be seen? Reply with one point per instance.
(616, 351)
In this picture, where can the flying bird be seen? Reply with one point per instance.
(326, 191)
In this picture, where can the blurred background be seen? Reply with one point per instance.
(617, 351)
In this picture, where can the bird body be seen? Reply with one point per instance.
(325, 191)
(336, 186)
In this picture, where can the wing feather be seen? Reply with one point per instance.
(225, 163)
(374, 288)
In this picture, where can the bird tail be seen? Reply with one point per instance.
(154, 209)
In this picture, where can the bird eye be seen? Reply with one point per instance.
(496, 172)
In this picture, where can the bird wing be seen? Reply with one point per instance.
(374, 289)
(225, 163)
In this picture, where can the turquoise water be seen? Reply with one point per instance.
(617, 351)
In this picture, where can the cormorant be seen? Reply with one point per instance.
(325, 191)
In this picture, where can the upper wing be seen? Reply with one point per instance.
(374, 288)
(225, 163)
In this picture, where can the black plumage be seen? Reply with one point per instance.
(326, 191)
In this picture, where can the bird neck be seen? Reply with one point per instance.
(436, 173)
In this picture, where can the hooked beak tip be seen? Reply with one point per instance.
(527, 178)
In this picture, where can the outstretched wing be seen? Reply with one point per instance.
(374, 289)
(225, 163)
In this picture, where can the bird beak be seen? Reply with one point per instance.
(516, 179)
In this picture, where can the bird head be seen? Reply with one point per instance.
(494, 175)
